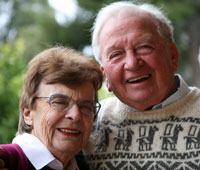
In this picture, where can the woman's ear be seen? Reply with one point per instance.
(28, 118)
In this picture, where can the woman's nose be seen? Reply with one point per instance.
(73, 113)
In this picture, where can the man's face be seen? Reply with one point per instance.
(137, 63)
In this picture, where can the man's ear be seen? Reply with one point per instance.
(106, 79)
(28, 118)
(175, 56)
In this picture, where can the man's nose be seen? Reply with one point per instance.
(132, 62)
(73, 113)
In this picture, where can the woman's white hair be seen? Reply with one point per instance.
(164, 26)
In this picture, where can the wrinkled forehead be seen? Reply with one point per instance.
(123, 17)
(124, 23)
(80, 91)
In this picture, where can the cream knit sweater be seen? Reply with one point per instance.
(161, 139)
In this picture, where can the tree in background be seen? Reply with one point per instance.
(34, 21)
(11, 76)
(185, 17)
(21, 37)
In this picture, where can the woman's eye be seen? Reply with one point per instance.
(144, 50)
(86, 109)
(60, 102)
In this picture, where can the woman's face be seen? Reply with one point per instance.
(63, 132)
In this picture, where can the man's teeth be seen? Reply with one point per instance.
(138, 78)
(69, 131)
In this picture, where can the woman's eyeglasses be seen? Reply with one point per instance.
(61, 103)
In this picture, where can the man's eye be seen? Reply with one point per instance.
(144, 50)
(115, 54)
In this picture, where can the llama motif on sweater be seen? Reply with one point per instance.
(161, 139)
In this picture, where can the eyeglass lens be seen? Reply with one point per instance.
(64, 103)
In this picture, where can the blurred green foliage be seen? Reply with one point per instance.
(31, 27)
(103, 93)
(11, 77)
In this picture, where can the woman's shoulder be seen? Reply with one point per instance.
(12, 151)
(11, 148)
(14, 157)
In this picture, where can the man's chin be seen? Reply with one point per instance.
(140, 102)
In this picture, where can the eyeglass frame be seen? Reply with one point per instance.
(96, 105)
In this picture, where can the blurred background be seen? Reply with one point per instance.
(29, 26)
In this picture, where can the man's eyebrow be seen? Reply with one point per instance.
(113, 47)
(110, 49)
(145, 39)
(142, 40)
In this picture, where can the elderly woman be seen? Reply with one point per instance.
(57, 108)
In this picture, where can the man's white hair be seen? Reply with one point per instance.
(164, 26)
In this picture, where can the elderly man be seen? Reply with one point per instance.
(154, 120)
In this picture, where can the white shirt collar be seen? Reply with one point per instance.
(182, 90)
(33, 148)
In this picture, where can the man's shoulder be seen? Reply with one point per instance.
(194, 91)
(109, 101)
(110, 109)
(194, 88)
(109, 104)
